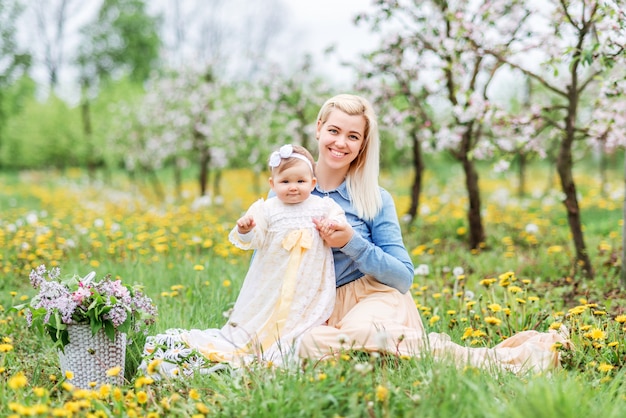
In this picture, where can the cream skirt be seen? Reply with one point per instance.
(371, 316)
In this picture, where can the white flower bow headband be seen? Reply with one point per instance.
(286, 151)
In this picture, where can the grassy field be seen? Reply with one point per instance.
(178, 249)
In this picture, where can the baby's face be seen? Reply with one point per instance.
(293, 184)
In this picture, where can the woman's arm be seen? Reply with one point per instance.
(385, 258)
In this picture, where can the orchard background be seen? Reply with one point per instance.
(503, 129)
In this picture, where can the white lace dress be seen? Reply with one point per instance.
(289, 288)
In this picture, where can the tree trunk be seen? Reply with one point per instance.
(156, 184)
(203, 177)
(418, 167)
(476, 229)
(85, 107)
(178, 179)
(521, 175)
(564, 167)
(624, 230)
(217, 183)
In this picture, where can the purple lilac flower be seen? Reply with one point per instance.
(55, 273)
(117, 289)
(54, 296)
(29, 317)
(142, 303)
(117, 315)
(36, 276)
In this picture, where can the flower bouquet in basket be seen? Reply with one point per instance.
(89, 321)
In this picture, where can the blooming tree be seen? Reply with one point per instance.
(173, 124)
(579, 45)
(444, 43)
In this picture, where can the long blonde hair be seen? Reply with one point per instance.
(362, 177)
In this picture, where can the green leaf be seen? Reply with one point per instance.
(109, 330)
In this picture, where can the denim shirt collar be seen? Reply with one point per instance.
(342, 189)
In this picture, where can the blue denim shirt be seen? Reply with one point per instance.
(376, 248)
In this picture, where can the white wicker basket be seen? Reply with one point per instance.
(89, 357)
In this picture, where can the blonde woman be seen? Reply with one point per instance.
(374, 310)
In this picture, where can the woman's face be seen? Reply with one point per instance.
(340, 140)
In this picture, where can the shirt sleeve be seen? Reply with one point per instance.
(334, 211)
(385, 258)
(253, 239)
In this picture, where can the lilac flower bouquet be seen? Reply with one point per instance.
(107, 304)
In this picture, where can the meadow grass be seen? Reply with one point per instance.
(178, 250)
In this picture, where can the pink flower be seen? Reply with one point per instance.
(79, 295)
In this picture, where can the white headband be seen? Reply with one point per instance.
(286, 151)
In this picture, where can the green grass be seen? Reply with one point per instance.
(182, 257)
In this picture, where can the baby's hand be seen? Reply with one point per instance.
(245, 224)
(336, 234)
(325, 225)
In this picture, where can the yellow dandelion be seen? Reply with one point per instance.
(5, 348)
(226, 283)
(597, 334)
(599, 313)
(467, 333)
(613, 344)
(556, 325)
(515, 289)
(143, 381)
(114, 371)
(533, 298)
(605, 367)
(436, 295)
(620, 318)
(555, 249)
(40, 392)
(577, 310)
(521, 301)
(153, 366)
(487, 282)
(321, 376)
(105, 391)
(69, 375)
(194, 394)
(198, 267)
(494, 307)
(202, 408)
(451, 312)
(18, 381)
(142, 397)
(477, 333)
(381, 393)
(434, 319)
(118, 395)
(492, 320)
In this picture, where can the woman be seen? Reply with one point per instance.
(374, 310)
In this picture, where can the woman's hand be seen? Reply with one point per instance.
(335, 234)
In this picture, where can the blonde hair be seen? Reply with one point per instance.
(362, 177)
